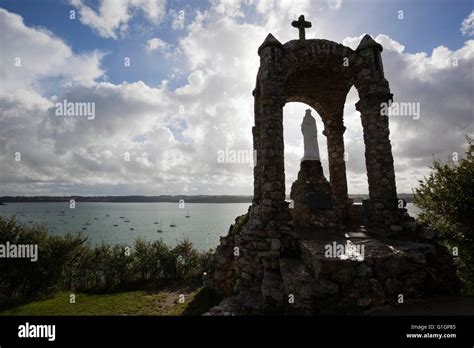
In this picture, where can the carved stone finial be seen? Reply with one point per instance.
(368, 42)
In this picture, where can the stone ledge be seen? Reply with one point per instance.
(377, 271)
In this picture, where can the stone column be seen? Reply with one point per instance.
(262, 249)
(261, 239)
(373, 88)
(256, 131)
(271, 153)
(383, 209)
(268, 131)
(334, 132)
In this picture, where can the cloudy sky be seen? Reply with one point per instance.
(171, 84)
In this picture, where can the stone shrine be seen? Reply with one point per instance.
(278, 259)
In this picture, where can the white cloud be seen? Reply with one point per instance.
(113, 16)
(26, 56)
(335, 3)
(196, 83)
(178, 150)
(60, 153)
(228, 8)
(156, 44)
(178, 19)
(442, 84)
(467, 25)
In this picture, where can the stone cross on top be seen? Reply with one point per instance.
(301, 24)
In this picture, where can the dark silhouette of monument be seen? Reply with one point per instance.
(324, 250)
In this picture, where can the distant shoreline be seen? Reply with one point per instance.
(158, 199)
(128, 199)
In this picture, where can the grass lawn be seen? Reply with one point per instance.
(164, 302)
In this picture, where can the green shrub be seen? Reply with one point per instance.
(22, 279)
(446, 198)
(68, 263)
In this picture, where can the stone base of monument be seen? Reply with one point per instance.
(268, 268)
(311, 195)
(358, 273)
(267, 264)
(348, 275)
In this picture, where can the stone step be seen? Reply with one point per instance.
(368, 250)
(309, 233)
(374, 270)
(325, 260)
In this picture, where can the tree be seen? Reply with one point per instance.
(446, 198)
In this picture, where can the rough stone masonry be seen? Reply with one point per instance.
(268, 263)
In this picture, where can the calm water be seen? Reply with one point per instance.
(207, 222)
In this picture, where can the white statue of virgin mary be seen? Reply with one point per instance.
(310, 136)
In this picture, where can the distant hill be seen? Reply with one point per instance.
(163, 198)
(131, 199)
